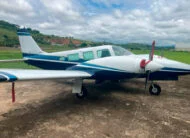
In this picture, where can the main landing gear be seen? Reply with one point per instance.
(79, 89)
(154, 89)
(82, 94)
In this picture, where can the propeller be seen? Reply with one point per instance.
(144, 64)
(151, 55)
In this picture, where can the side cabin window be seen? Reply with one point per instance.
(62, 58)
(88, 55)
(103, 53)
(73, 57)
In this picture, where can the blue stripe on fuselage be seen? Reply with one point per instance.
(48, 62)
(175, 69)
(50, 57)
(50, 65)
(40, 56)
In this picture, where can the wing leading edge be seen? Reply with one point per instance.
(11, 75)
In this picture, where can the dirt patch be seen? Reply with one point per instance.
(49, 109)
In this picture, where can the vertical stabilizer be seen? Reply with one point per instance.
(27, 43)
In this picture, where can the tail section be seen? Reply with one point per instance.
(27, 43)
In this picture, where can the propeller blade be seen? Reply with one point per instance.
(151, 55)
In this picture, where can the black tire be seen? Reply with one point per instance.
(83, 93)
(156, 90)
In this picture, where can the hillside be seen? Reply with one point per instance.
(8, 35)
(9, 38)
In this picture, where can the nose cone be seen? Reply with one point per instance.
(153, 66)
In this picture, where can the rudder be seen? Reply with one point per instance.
(27, 43)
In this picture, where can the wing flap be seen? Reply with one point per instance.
(23, 74)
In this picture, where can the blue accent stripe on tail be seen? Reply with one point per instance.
(23, 32)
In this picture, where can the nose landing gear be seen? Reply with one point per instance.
(154, 89)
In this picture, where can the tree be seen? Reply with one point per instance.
(5, 39)
(71, 43)
(83, 44)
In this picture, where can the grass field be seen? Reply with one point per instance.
(14, 53)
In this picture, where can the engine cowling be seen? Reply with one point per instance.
(149, 65)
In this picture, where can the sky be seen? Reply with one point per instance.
(117, 21)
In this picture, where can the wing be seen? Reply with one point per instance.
(11, 75)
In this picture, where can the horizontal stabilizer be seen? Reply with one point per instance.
(10, 75)
(13, 60)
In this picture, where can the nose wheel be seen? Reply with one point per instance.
(155, 89)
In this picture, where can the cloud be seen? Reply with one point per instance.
(60, 8)
(171, 9)
(47, 25)
(16, 9)
(104, 20)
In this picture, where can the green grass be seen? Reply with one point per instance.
(14, 53)
(182, 56)
(10, 54)
(17, 65)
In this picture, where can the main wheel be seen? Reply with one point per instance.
(155, 89)
(82, 94)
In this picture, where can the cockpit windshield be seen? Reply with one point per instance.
(119, 51)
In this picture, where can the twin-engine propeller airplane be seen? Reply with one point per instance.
(100, 63)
